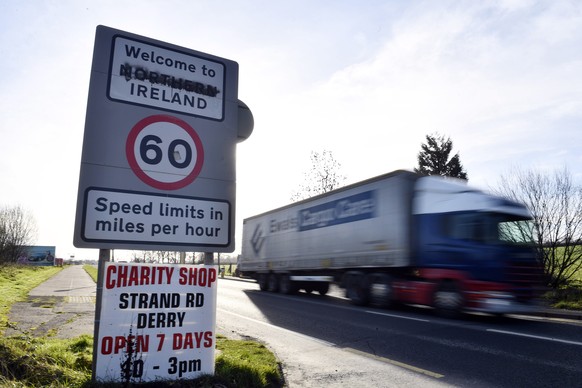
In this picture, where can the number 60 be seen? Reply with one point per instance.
(151, 144)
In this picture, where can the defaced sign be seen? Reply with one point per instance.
(158, 161)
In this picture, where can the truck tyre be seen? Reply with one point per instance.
(273, 283)
(263, 281)
(381, 290)
(358, 290)
(323, 288)
(286, 285)
(448, 300)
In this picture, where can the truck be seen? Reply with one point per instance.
(400, 238)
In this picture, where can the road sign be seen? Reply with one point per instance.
(164, 152)
(151, 333)
(158, 162)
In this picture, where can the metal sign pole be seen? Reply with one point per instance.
(208, 258)
(104, 257)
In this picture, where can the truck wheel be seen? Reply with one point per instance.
(286, 285)
(448, 300)
(263, 281)
(323, 288)
(381, 290)
(273, 285)
(358, 290)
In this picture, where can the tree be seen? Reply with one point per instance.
(556, 204)
(17, 230)
(433, 159)
(323, 176)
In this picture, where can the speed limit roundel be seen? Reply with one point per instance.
(164, 152)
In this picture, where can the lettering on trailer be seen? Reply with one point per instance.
(258, 239)
(158, 317)
(356, 207)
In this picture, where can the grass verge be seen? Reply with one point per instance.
(15, 283)
(26, 361)
(92, 271)
(569, 297)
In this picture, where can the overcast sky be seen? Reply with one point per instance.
(366, 80)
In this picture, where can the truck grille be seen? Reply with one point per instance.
(527, 280)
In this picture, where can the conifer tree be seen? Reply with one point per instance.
(433, 159)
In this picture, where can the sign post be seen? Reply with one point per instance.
(157, 173)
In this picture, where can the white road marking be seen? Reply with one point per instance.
(536, 337)
(397, 316)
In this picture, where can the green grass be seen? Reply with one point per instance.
(15, 283)
(239, 357)
(27, 362)
(45, 362)
(567, 297)
(92, 271)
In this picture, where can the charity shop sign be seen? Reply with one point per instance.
(157, 322)
(158, 161)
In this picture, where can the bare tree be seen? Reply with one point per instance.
(17, 230)
(556, 204)
(323, 176)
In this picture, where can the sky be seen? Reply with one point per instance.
(366, 80)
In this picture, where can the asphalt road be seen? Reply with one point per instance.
(325, 341)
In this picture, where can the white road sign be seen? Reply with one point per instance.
(160, 133)
(157, 322)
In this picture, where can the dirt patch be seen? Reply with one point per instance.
(63, 317)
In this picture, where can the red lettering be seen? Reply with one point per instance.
(121, 276)
(133, 276)
(120, 343)
(137, 275)
(203, 277)
(211, 276)
(198, 336)
(109, 282)
(188, 343)
(177, 341)
(169, 272)
(208, 343)
(161, 337)
(106, 345)
(193, 340)
(117, 344)
(145, 275)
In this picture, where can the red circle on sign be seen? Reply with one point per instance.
(141, 174)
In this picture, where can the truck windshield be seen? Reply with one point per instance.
(490, 228)
(517, 231)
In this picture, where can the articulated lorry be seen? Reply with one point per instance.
(399, 238)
